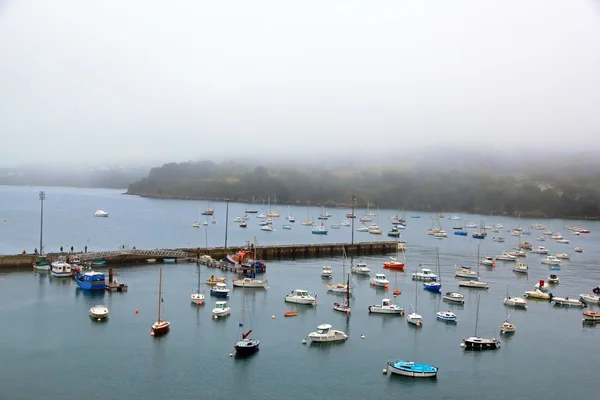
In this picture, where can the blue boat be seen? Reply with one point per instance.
(287, 226)
(320, 230)
(433, 286)
(412, 369)
(461, 233)
(90, 281)
(478, 235)
(219, 290)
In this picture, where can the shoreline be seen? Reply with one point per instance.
(331, 204)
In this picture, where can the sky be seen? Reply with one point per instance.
(159, 81)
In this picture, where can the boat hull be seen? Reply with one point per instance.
(246, 347)
(64, 274)
(341, 308)
(377, 309)
(218, 293)
(394, 266)
(296, 300)
(334, 336)
(161, 328)
(257, 284)
(411, 372)
(474, 284)
(197, 298)
(453, 299)
(480, 344)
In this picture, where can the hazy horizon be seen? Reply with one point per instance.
(148, 82)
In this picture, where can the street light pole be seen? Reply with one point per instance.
(226, 220)
(42, 198)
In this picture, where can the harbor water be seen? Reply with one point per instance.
(52, 349)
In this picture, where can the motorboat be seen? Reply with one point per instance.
(386, 307)
(576, 233)
(447, 316)
(567, 302)
(91, 280)
(518, 253)
(249, 282)
(589, 298)
(506, 256)
(517, 302)
(540, 239)
(61, 268)
(521, 268)
(454, 297)
(214, 280)
(471, 225)
(100, 213)
(540, 250)
(379, 280)
(99, 312)
(562, 256)
(474, 284)
(221, 309)
(360, 268)
(267, 228)
(551, 260)
(466, 272)
(301, 296)
(579, 249)
(411, 369)
(362, 228)
(537, 294)
(488, 262)
(541, 286)
(556, 236)
(374, 230)
(591, 316)
(286, 226)
(553, 279)
(42, 264)
(326, 272)
(219, 290)
(434, 285)
(424, 275)
(562, 241)
(325, 333)
(507, 327)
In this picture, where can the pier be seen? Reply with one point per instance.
(266, 253)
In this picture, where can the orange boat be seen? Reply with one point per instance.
(396, 292)
(394, 265)
(290, 314)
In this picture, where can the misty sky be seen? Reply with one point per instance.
(181, 80)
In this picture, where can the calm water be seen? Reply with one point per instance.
(51, 349)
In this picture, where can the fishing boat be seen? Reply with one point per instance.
(214, 280)
(160, 327)
(61, 268)
(360, 268)
(246, 346)
(301, 296)
(101, 213)
(345, 306)
(386, 307)
(379, 280)
(221, 309)
(325, 333)
(198, 298)
(411, 369)
(99, 312)
(219, 290)
(90, 280)
(478, 343)
(454, 297)
(567, 302)
(424, 275)
(589, 298)
(42, 264)
(521, 268)
(591, 316)
(326, 272)
(446, 316)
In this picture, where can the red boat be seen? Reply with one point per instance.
(394, 265)
(160, 327)
(245, 257)
(584, 231)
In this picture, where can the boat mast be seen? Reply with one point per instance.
(198, 264)
(42, 198)
(159, 294)
(477, 316)
(348, 291)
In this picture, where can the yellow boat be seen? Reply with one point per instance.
(214, 281)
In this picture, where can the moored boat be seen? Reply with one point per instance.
(386, 307)
(325, 333)
(219, 290)
(478, 343)
(160, 327)
(214, 280)
(250, 282)
(301, 296)
(567, 302)
(326, 272)
(447, 316)
(411, 369)
(521, 268)
(61, 268)
(99, 312)
(591, 316)
(424, 275)
(42, 264)
(91, 280)
(100, 213)
(379, 280)
(589, 298)
(454, 297)
(221, 309)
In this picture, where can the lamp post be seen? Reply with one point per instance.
(226, 219)
(42, 198)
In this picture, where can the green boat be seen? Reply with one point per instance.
(42, 264)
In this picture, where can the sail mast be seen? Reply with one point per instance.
(159, 293)
(477, 316)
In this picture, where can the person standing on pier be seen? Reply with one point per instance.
(71, 249)
(85, 249)
(61, 249)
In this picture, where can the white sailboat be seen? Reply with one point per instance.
(345, 306)
(340, 287)
(475, 283)
(414, 318)
(308, 221)
(198, 298)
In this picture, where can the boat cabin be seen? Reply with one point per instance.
(300, 293)
(323, 329)
(386, 302)
(220, 286)
(380, 277)
(220, 305)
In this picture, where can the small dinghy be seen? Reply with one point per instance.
(412, 369)
(99, 312)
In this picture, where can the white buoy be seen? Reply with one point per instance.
(384, 371)
(362, 336)
(304, 341)
(272, 317)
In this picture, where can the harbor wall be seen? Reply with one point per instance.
(267, 253)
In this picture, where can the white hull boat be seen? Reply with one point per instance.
(197, 298)
(537, 294)
(590, 298)
(506, 256)
(100, 213)
(386, 307)
(447, 316)
(466, 273)
(425, 275)
(61, 269)
(474, 284)
(567, 302)
(326, 272)
(507, 328)
(540, 250)
(250, 283)
(325, 333)
(301, 296)
(521, 268)
(99, 312)
(551, 260)
(379, 280)
(454, 297)
(361, 268)
(517, 302)
(221, 309)
(340, 288)
(415, 319)
(563, 256)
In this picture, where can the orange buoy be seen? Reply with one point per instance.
(136, 311)
(397, 292)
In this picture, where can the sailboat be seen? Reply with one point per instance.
(345, 306)
(198, 298)
(197, 223)
(394, 263)
(340, 287)
(208, 211)
(478, 343)
(323, 215)
(246, 346)
(475, 283)
(160, 327)
(272, 214)
(308, 221)
(435, 284)
(414, 318)
(252, 210)
(290, 217)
